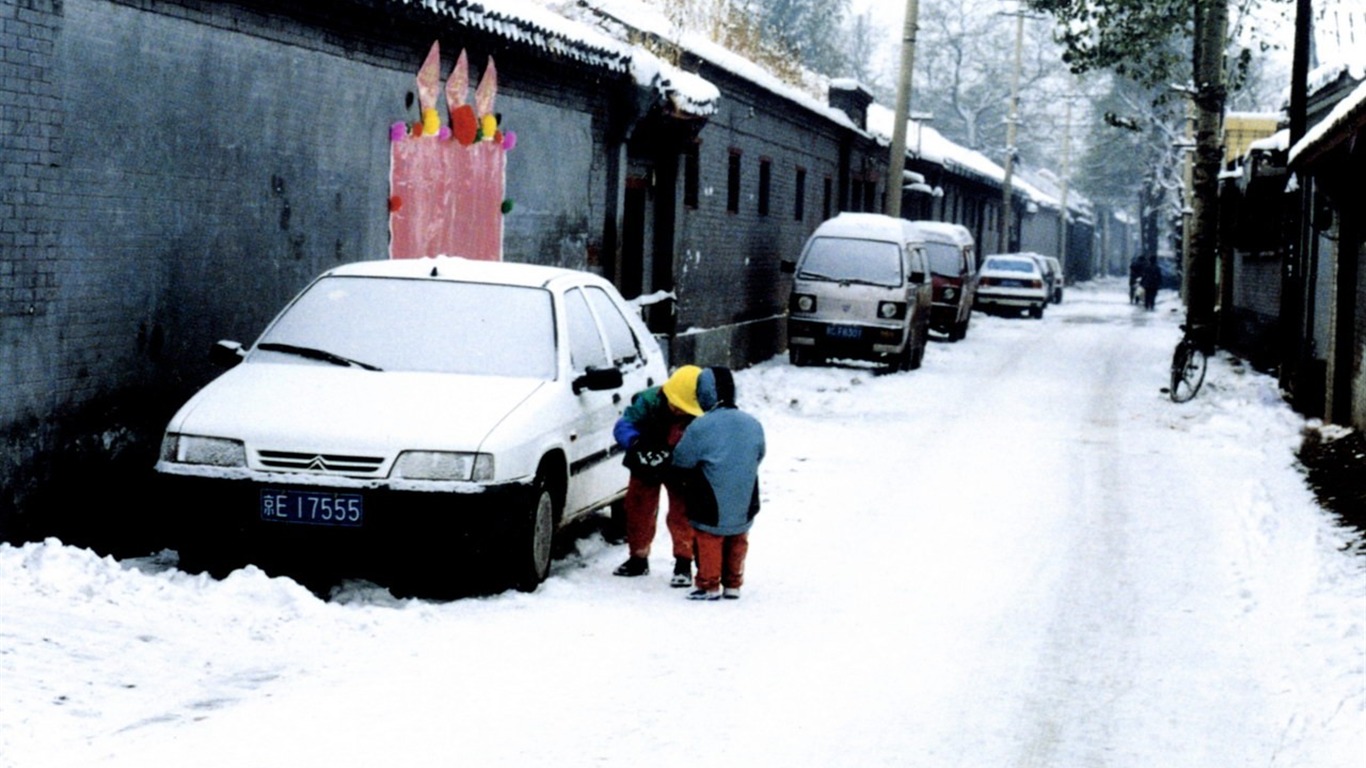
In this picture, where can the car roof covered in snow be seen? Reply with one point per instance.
(866, 226)
(943, 231)
(460, 269)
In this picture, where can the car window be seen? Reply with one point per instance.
(915, 259)
(585, 343)
(621, 341)
(405, 324)
(945, 259)
(849, 259)
(1011, 265)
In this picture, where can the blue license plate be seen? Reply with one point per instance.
(312, 507)
(843, 331)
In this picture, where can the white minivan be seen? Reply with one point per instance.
(861, 290)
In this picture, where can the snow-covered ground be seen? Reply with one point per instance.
(1022, 554)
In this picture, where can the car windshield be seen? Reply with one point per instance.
(1011, 265)
(843, 259)
(404, 324)
(945, 259)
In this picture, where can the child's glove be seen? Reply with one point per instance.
(654, 459)
(649, 464)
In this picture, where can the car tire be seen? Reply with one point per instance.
(531, 538)
(205, 557)
(615, 532)
(914, 353)
(1036, 312)
(959, 330)
(799, 356)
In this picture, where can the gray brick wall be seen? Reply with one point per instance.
(732, 294)
(174, 171)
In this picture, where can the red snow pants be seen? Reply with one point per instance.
(642, 519)
(720, 560)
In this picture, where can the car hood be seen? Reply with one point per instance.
(321, 407)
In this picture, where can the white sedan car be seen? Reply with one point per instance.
(1012, 282)
(414, 412)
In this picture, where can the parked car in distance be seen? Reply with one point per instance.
(861, 290)
(1052, 273)
(411, 413)
(1012, 282)
(1059, 279)
(953, 266)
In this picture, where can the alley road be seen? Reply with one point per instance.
(1022, 554)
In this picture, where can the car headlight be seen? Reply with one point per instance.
(208, 451)
(444, 465)
(804, 302)
(949, 294)
(891, 310)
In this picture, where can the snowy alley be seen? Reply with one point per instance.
(1022, 554)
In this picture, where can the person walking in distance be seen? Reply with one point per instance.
(717, 462)
(649, 429)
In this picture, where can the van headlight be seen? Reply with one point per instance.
(444, 465)
(891, 310)
(206, 451)
(804, 302)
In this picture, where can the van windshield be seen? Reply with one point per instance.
(945, 259)
(847, 260)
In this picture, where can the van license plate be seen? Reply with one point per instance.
(312, 507)
(843, 331)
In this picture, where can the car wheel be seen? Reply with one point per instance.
(616, 523)
(531, 539)
(798, 356)
(1036, 312)
(959, 330)
(205, 557)
(914, 353)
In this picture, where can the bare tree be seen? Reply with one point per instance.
(966, 61)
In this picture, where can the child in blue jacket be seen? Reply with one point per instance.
(718, 466)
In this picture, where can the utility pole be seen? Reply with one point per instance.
(1066, 170)
(1011, 120)
(903, 109)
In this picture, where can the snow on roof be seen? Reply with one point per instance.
(688, 93)
(926, 143)
(1276, 142)
(622, 17)
(526, 22)
(1330, 130)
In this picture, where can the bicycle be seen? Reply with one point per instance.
(1188, 364)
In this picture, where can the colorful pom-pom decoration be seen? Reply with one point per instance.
(507, 207)
(445, 134)
(431, 123)
(464, 125)
(416, 130)
(395, 203)
(488, 125)
(509, 140)
(398, 131)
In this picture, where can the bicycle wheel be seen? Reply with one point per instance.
(1188, 371)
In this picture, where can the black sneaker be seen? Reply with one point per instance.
(635, 566)
(682, 573)
(704, 594)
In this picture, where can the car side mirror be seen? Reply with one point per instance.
(226, 353)
(787, 267)
(598, 379)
